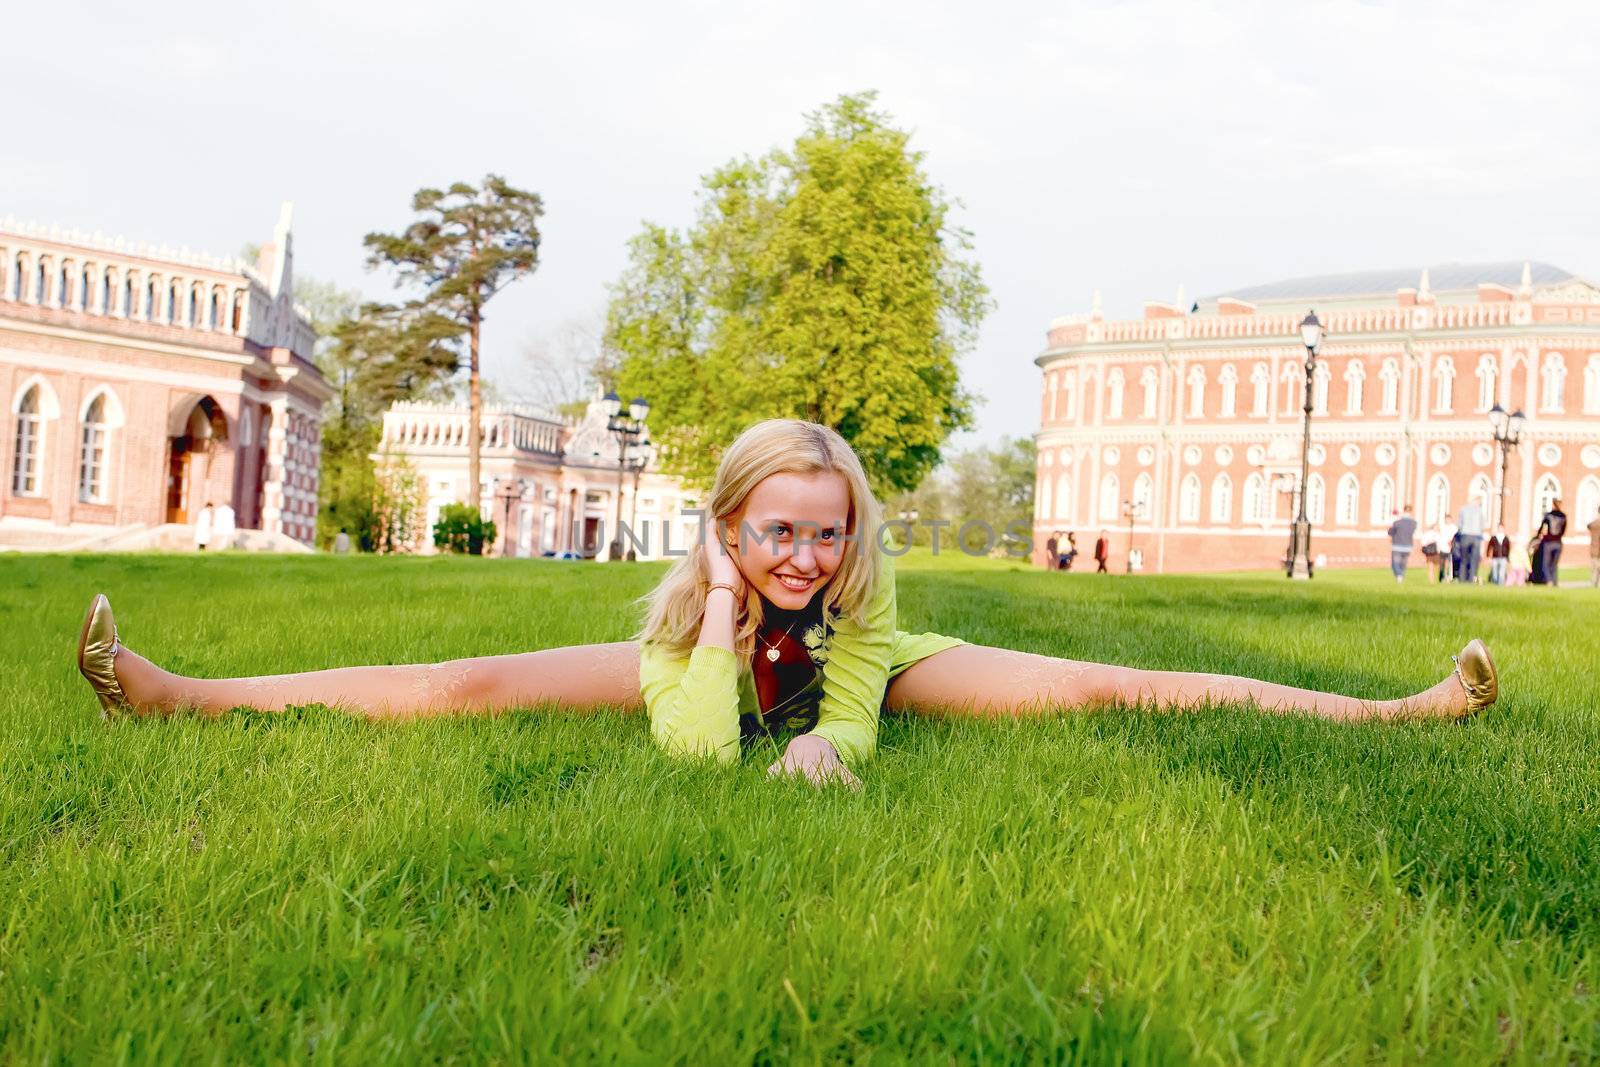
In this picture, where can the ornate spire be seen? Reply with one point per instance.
(1525, 289)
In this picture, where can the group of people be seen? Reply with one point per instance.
(213, 527)
(1061, 549)
(1455, 550)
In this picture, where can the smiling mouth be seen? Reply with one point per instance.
(791, 582)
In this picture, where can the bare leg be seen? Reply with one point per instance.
(976, 679)
(580, 676)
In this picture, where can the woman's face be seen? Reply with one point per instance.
(789, 537)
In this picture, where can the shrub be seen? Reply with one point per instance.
(462, 528)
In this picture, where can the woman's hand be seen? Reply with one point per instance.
(816, 758)
(722, 566)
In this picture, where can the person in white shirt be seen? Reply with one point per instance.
(202, 526)
(222, 527)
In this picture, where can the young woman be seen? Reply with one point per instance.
(783, 623)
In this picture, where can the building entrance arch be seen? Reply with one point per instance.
(195, 428)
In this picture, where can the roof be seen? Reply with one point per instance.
(1441, 278)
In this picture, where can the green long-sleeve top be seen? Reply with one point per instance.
(695, 701)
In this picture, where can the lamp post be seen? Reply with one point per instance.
(1300, 535)
(627, 429)
(508, 493)
(1507, 430)
(1132, 509)
(641, 458)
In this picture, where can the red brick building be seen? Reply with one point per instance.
(141, 383)
(1191, 416)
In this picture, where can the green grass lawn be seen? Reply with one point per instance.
(1217, 886)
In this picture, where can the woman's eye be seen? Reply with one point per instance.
(828, 535)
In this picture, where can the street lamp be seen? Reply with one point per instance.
(1132, 509)
(509, 493)
(1300, 535)
(628, 429)
(1507, 430)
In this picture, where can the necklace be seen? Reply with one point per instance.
(772, 647)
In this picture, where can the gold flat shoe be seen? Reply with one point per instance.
(97, 657)
(1477, 674)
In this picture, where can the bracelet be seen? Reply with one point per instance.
(722, 585)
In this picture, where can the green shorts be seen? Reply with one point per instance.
(914, 648)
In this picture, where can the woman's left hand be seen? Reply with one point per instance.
(816, 758)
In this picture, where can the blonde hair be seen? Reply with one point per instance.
(776, 446)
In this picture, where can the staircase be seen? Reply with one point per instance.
(167, 537)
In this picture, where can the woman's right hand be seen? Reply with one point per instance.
(722, 567)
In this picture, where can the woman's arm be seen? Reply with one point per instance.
(694, 702)
(857, 673)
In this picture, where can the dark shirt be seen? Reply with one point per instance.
(788, 688)
(1101, 549)
(1401, 532)
(1554, 525)
(1498, 548)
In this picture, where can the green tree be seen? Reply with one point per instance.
(466, 244)
(825, 282)
(463, 529)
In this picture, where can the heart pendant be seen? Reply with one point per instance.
(772, 655)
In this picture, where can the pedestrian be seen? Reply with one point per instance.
(1518, 562)
(1471, 535)
(1496, 552)
(202, 527)
(222, 527)
(1447, 549)
(1430, 553)
(1052, 557)
(1102, 550)
(341, 543)
(1072, 551)
(1594, 550)
(1552, 528)
(1401, 532)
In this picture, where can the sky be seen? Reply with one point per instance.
(1126, 148)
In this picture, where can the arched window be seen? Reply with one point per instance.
(238, 310)
(215, 320)
(105, 292)
(1144, 490)
(1229, 380)
(1355, 382)
(129, 309)
(1444, 380)
(1149, 392)
(1588, 505)
(63, 298)
(84, 289)
(150, 301)
(1389, 377)
(1064, 500)
(1347, 501)
(1382, 500)
(174, 316)
(1114, 386)
(1110, 491)
(1552, 382)
(1292, 380)
(1222, 500)
(1591, 385)
(1255, 499)
(1320, 379)
(1488, 381)
(1437, 502)
(1189, 499)
(1260, 381)
(1545, 493)
(1197, 391)
(39, 283)
(1480, 491)
(28, 459)
(19, 267)
(94, 448)
(1316, 512)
